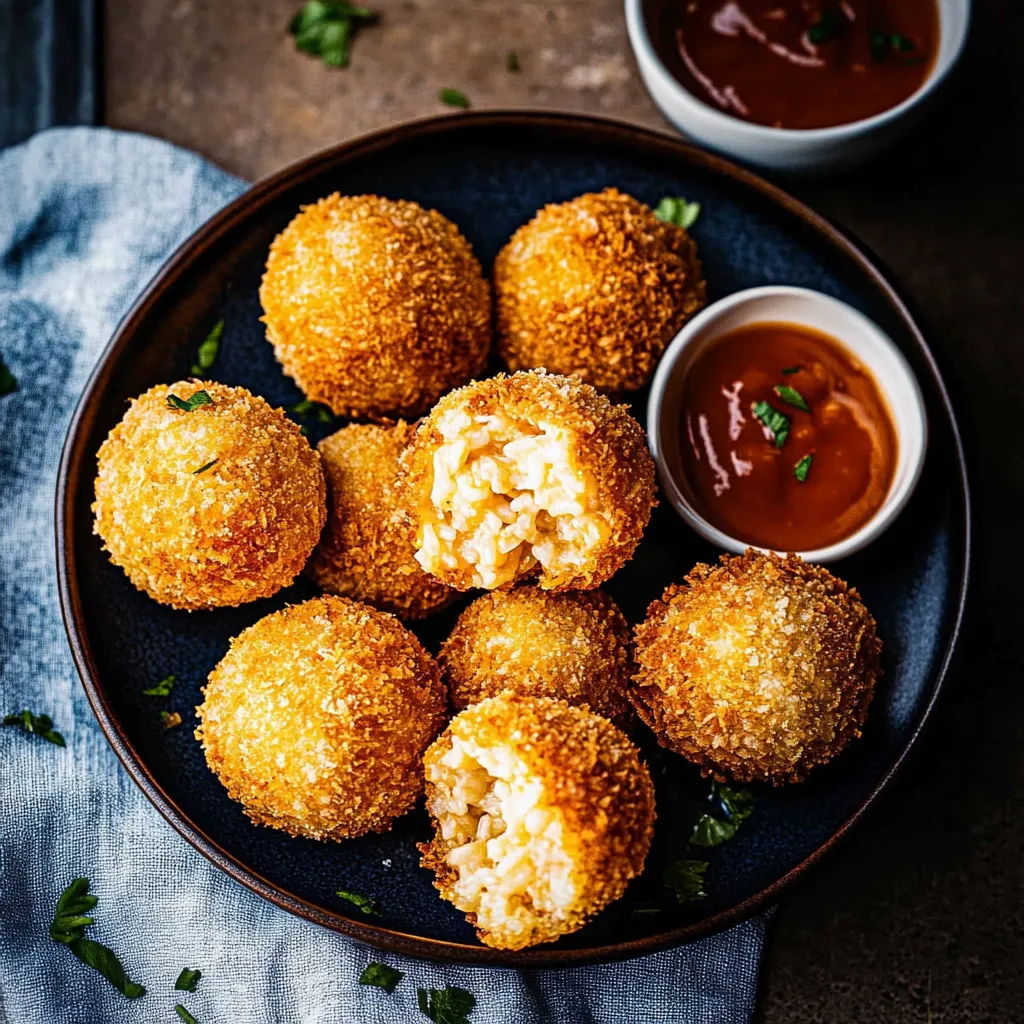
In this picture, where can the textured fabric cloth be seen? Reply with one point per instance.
(86, 217)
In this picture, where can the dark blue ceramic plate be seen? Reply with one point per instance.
(489, 173)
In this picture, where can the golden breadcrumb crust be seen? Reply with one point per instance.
(376, 307)
(194, 537)
(759, 668)
(365, 552)
(317, 717)
(575, 646)
(596, 287)
(608, 443)
(591, 775)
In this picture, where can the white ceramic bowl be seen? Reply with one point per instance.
(787, 149)
(861, 336)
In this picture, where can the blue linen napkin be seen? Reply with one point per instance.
(86, 217)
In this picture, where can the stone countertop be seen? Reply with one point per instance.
(920, 916)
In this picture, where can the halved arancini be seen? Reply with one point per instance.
(543, 812)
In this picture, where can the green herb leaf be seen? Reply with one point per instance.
(737, 801)
(40, 725)
(306, 407)
(453, 98)
(184, 1014)
(325, 30)
(900, 43)
(830, 25)
(788, 370)
(8, 382)
(676, 210)
(381, 976)
(446, 1005)
(303, 407)
(188, 979)
(171, 719)
(686, 879)
(206, 356)
(161, 689)
(203, 469)
(512, 60)
(68, 927)
(710, 831)
(792, 397)
(802, 468)
(323, 414)
(189, 405)
(364, 903)
(775, 421)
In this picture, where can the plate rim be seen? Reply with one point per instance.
(616, 134)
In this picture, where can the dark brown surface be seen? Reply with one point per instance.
(921, 916)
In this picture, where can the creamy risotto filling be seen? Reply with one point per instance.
(509, 855)
(506, 496)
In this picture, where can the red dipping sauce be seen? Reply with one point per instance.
(768, 472)
(802, 64)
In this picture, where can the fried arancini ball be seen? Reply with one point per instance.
(365, 551)
(596, 287)
(760, 668)
(215, 506)
(317, 717)
(542, 813)
(575, 646)
(531, 474)
(376, 307)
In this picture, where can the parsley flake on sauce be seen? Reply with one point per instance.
(775, 421)
(446, 1005)
(381, 976)
(190, 404)
(830, 25)
(686, 879)
(454, 98)
(788, 371)
(188, 979)
(161, 689)
(791, 397)
(69, 923)
(676, 210)
(206, 356)
(326, 30)
(39, 725)
(802, 468)
(363, 903)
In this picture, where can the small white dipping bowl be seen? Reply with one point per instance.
(790, 149)
(864, 339)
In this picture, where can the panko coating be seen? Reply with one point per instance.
(758, 669)
(543, 812)
(575, 646)
(376, 307)
(596, 287)
(529, 475)
(365, 551)
(211, 507)
(317, 717)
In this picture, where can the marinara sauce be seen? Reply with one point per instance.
(804, 64)
(764, 469)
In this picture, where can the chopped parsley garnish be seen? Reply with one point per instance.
(203, 469)
(446, 1005)
(305, 407)
(381, 976)
(363, 903)
(207, 354)
(789, 370)
(325, 30)
(68, 927)
(792, 397)
(802, 468)
(8, 382)
(676, 210)
(188, 979)
(161, 689)
(171, 719)
(184, 1014)
(883, 44)
(711, 831)
(512, 60)
(736, 803)
(775, 421)
(190, 404)
(686, 879)
(40, 725)
(454, 98)
(829, 25)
